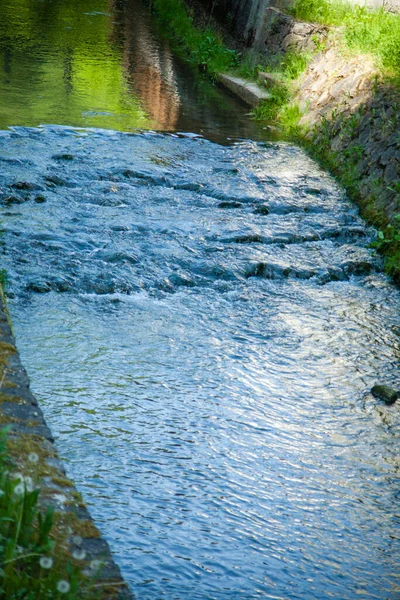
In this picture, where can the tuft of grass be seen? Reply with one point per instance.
(293, 64)
(270, 109)
(374, 32)
(3, 278)
(32, 566)
(280, 107)
(387, 244)
(203, 48)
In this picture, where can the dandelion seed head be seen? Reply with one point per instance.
(78, 554)
(18, 476)
(77, 540)
(19, 489)
(63, 586)
(95, 565)
(33, 457)
(46, 562)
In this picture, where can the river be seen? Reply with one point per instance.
(201, 317)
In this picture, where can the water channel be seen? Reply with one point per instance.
(201, 318)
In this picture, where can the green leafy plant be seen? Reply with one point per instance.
(199, 47)
(31, 565)
(387, 243)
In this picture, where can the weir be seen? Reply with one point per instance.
(202, 319)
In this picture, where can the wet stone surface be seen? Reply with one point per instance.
(203, 325)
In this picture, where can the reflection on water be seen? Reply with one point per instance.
(98, 63)
(148, 65)
(60, 67)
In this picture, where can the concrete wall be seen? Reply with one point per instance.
(246, 17)
(243, 16)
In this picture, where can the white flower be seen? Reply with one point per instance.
(19, 489)
(46, 562)
(18, 476)
(78, 554)
(95, 565)
(77, 540)
(63, 586)
(33, 457)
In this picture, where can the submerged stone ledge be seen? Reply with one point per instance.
(29, 435)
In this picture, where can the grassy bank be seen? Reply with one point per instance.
(344, 166)
(203, 48)
(31, 566)
(374, 33)
(36, 562)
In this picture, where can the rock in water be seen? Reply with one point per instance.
(385, 393)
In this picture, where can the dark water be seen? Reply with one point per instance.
(99, 63)
(202, 323)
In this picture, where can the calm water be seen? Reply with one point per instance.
(203, 323)
(99, 63)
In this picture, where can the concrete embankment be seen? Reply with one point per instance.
(250, 21)
(75, 533)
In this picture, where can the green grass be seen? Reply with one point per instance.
(3, 278)
(280, 107)
(32, 567)
(365, 31)
(387, 244)
(202, 48)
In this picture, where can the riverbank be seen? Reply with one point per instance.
(58, 549)
(342, 106)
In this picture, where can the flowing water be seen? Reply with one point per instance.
(202, 323)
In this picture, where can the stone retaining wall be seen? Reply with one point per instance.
(279, 33)
(247, 17)
(356, 119)
(29, 436)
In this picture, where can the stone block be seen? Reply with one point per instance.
(392, 174)
(247, 91)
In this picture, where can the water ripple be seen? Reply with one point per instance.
(203, 325)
